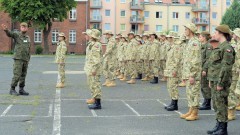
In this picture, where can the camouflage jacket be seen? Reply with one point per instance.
(163, 50)
(120, 51)
(235, 71)
(111, 50)
(132, 50)
(93, 61)
(145, 50)
(154, 51)
(220, 64)
(61, 51)
(206, 52)
(22, 45)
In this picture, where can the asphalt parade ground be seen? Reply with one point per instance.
(126, 109)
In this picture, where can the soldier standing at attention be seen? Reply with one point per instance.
(219, 74)
(145, 57)
(237, 38)
(206, 51)
(110, 60)
(21, 58)
(60, 59)
(184, 50)
(93, 67)
(194, 73)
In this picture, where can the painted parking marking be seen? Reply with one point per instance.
(66, 72)
(57, 113)
(166, 105)
(132, 109)
(6, 110)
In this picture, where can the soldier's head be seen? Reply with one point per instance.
(119, 35)
(170, 36)
(61, 36)
(190, 29)
(204, 36)
(130, 35)
(124, 38)
(117, 39)
(153, 36)
(145, 36)
(236, 34)
(87, 34)
(23, 27)
(222, 33)
(108, 34)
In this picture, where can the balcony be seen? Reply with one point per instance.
(96, 5)
(175, 2)
(136, 6)
(96, 19)
(136, 19)
(200, 21)
(199, 8)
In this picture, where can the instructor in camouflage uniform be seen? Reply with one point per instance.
(21, 57)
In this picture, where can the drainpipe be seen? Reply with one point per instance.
(115, 17)
(167, 16)
(86, 15)
(209, 15)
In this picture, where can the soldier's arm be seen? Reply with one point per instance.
(111, 45)
(63, 52)
(196, 61)
(205, 62)
(226, 68)
(11, 34)
(177, 58)
(96, 57)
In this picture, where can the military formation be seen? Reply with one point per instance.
(203, 63)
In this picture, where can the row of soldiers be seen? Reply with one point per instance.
(190, 59)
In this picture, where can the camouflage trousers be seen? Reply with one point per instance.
(162, 67)
(132, 69)
(146, 67)
(19, 73)
(220, 101)
(122, 66)
(61, 73)
(193, 93)
(95, 86)
(109, 70)
(154, 67)
(139, 67)
(172, 86)
(237, 91)
(206, 91)
(233, 99)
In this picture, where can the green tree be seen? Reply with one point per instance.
(231, 16)
(39, 13)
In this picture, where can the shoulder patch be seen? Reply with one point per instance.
(228, 50)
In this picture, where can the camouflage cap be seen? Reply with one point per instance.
(152, 33)
(119, 34)
(223, 28)
(205, 33)
(24, 24)
(237, 32)
(131, 32)
(108, 32)
(145, 34)
(87, 32)
(95, 34)
(61, 34)
(192, 27)
(171, 34)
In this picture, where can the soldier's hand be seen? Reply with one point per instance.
(4, 27)
(94, 73)
(191, 80)
(204, 73)
(219, 88)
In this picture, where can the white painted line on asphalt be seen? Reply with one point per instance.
(57, 113)
(134, 111)
(94, 113)
(166, 105)
(66, 72)
(50, 110)
(6, 110)
(26, 116)
(123, 99)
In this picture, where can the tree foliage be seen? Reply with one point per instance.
(232, 15)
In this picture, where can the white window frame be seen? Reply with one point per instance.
(160, 14)
(73, 14)
(160, 27)
(72, 36)
(106, 12)
(122, 1)
(124, 27)
(175, 15)
(145, 14)
(55, 35)
(108, 1)
(147, 27)
(124, 13)
(214, 4)
(176, 28)
(106, 25)
(186, 15)
(215, 17)
(37, 36)
(228, 1)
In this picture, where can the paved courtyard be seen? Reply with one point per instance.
(127, 109)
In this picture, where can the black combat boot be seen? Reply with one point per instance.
(210, 132)
(96, 105)
(23, 92)
(206, 105)
(13, 92)
(154, 81)
(139, 76)
(222, 130)
(168, 105)
(173, 107)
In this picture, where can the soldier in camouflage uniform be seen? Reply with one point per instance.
(124, 70)
(145, 57)
(121, 49)
(184, 53)
(118, 43)
(238, 66)
(219, 74)
(110, 60)
(233, 98)
(60, 59)
(206, 51)
(139, 59)
(93, 67)
(21, 58)
(194, 73)
(163, 55)
(171, 71)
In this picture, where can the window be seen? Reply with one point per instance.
(123, 1)
(146, 27)
(96, 15)
(54, 35)
(123, 27)
(175, 15)
(73, 14)
(187, 1)
(175, 28)
(203, 28)
(146, 14)
(158, 14)
(37, 36)
(107, 12)
(72, 36)
(214, 2)
(107, 26)
(158, 1)
(146, 1)
(228, 3)
(108, 1)
(187, 15)
(123, 13)
(96, 26)
(158, 28)
(213, 28)
(214, 15)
